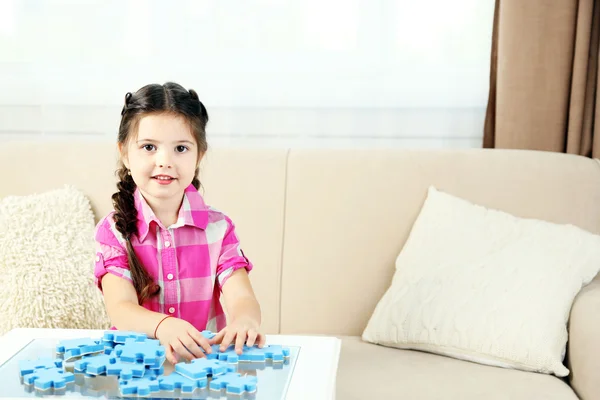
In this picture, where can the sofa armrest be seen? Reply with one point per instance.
(584, 342)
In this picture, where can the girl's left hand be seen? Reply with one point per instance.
(242, 330)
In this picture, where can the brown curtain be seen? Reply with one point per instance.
(544, 91)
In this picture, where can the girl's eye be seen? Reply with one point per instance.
(149, 147)
(181, 149)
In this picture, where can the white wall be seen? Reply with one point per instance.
(305, 73)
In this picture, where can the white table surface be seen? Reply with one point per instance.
(314, 375)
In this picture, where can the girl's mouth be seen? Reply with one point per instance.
(163, 179)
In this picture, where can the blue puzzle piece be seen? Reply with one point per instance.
(234, 383)
(125, 371)
(201, 368)
(253, 354)
(139, 386)
(94, 365)
(228, 356)
(208, 334)
(153, 372)
(29, 366)
(108, 345)
(149, 352)
(178, 381)
(122, 336)
(109, 365)
(158, 364)
(78, 347)
(274, 352)
(44, 379)
(249, 354)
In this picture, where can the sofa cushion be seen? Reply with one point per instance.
(483, 285)
(46, 262)
(368, 371)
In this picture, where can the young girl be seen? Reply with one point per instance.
(164, 257)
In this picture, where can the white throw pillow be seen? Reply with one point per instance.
(46, 262)
(485, 286)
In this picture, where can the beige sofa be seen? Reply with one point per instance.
(324, 227)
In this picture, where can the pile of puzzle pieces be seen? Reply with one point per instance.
(137, 362)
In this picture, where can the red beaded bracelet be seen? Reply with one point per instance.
(161, 321)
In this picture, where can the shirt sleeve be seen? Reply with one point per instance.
(111, 255)
(232, 257)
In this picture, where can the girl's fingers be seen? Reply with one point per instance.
(252, 335)
(182, 351)
(169, 353)
(201, 341)
(227, 340)
(218, 337)
(262, 340)
(239, 341)
(191, 345)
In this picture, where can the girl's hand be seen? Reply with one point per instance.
(180, 338)
(242, 330)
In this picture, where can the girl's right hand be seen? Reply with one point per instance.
(180, 338)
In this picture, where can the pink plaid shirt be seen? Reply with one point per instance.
(187, 260)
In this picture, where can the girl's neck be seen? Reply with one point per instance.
(166, 210)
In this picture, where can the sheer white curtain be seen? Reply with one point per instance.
(290, 73)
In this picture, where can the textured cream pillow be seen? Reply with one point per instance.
(485, 286)
(46, 262)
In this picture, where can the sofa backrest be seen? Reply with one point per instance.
(348, 214)
(324, 227)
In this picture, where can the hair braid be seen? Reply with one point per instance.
(126, 223)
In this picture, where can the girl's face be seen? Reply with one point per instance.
(162, 158)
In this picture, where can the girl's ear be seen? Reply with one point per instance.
(200, 157)
(123, 155)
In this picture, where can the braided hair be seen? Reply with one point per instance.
(153, 98)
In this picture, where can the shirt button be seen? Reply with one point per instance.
(97, 258)
(170, 276)
(167, 243)
(172, 310)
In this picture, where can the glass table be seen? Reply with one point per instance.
(309, 371)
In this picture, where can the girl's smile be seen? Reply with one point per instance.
(163, 179)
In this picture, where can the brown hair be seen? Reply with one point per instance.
(150, 99)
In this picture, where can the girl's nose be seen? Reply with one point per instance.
(163, 160)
